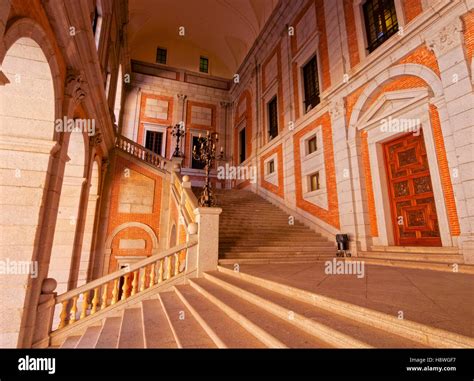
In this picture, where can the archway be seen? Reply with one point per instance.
(27, 114)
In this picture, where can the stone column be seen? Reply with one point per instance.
(456, 112)
(208, 239)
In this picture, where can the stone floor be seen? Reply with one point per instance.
(438, 299)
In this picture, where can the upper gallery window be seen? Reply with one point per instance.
(380, 22)
(272, 118)
(154, 141)
(204, 64)
(311, 84)
(271, 167)
(312, 145)
(161, 55)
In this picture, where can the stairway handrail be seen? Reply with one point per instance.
(148, 156)
(185, 198)
(119, 273)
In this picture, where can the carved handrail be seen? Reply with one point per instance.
(120, 285)
(185, 198)
(140, 152)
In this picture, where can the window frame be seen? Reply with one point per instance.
(201, 58)
(316, 175)
(271, 167)
(372, 45)
(308, 144)
(270, 118)
(314, 57)
(159, 50)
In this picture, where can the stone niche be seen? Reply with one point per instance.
(136, 193)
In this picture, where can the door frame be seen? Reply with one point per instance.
(375, 139)
(396, 237)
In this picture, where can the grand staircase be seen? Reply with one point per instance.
(252, 230)
(227, 309)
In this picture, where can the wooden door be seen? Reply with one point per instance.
(414, 217)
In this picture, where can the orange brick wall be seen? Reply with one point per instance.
(444, 172)
(368, 185)
(330, 215)
(412, 8)
(116, 219)
(468, 20)
(422, 56)
(351, 32)
(276, 189)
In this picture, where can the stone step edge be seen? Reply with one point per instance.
(233, 261)
(261, 334)
(318, 330)
(202, 322)
(170, 324)
(414, 331)
(423, 265)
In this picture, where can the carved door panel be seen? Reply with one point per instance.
(414, 217)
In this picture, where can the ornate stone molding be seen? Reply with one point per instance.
(182, 97)
(95, 140)
(337, 108)
(447, 38)
(75, 85)
(225, 104)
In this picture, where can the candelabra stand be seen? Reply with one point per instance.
(206, 154)
(178, 132)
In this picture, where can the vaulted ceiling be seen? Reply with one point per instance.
(222, 30)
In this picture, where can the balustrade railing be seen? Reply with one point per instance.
(104, 292)
(140, 152)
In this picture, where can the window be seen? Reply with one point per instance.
(204, 65)
(271, 167)
(272, 118)
(314, 182)
(161, 55)
(197, 164)
(97, 24)
(311, 84)
(312, 145)
(242, 146)
(154, 141)
(95, 20)
(380, 22)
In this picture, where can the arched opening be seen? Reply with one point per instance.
(89, 225)
(64, 245)
(27, 112)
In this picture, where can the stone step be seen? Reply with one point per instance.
(156, 328)
(434, 266)
(416, 249)
(187, 331)
(410, 330)
(225, 332)
(286, 248)
(110, 332)
(269, 329)
(330, 253)
(411, 256)
(70, 342)
(269, 260)
(131, 329)
(243, 242)
(329, 327)
(90, 337)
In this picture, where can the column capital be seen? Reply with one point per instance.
(447, 38)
